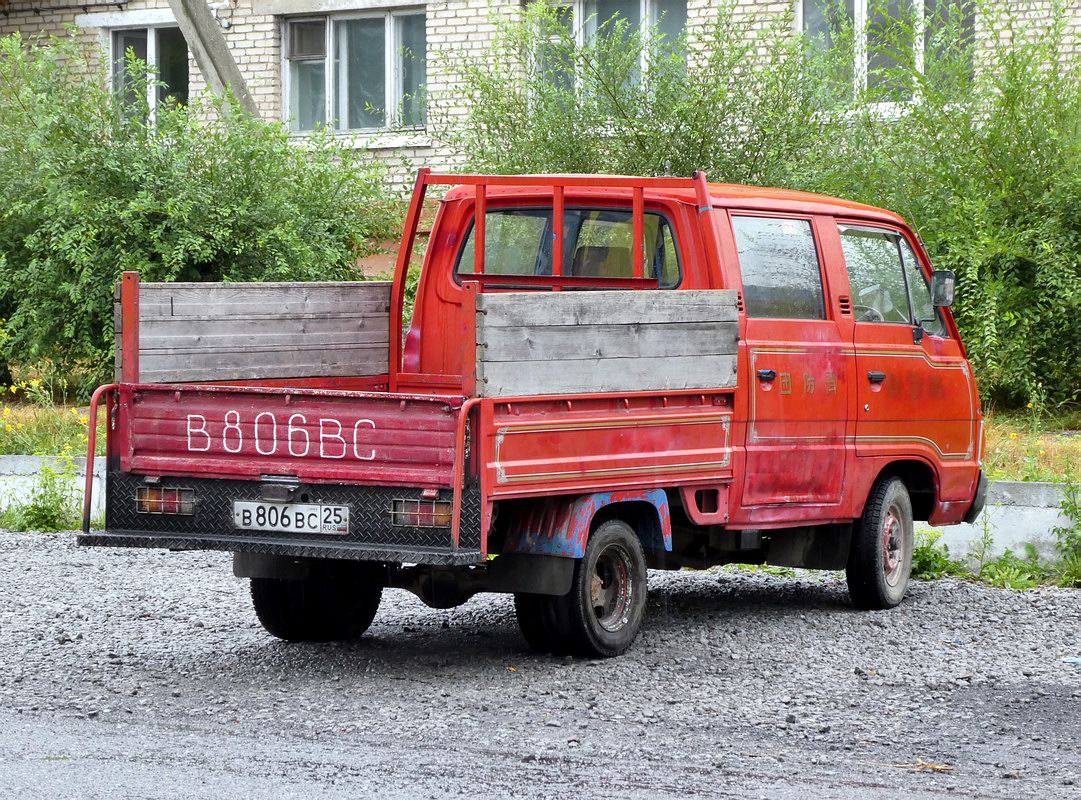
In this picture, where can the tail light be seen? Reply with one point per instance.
(421, 513)
(162, 500)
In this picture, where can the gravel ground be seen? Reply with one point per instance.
(143, 674)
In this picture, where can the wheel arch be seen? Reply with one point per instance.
(921, 481)
(561, 525)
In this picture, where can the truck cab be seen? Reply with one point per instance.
(602, 375)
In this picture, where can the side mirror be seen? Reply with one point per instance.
(942, 283)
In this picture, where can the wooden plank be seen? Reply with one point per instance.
(268, 285)
(262, 292)
(243, 344)
(508, 378)
(118, 350)
(575, 342)
(160, 328)
(256, 316)
(218, 299)
(256, 352)
(239, 331)
(181, 372)
(356, 357)
(258, 340)
(512, 309)
(293, 372)
(212, 309)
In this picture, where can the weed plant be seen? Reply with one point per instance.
(53, 504)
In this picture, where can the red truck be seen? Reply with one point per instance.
(602, 375)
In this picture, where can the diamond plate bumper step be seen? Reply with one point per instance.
(371, 536)
(352, 551)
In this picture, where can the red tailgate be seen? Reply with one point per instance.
(315, 435)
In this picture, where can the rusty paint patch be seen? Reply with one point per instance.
(559, 526)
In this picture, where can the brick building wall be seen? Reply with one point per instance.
(256, 29)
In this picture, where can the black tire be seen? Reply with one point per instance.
(602, 613)
(880, 558)
(337, 600)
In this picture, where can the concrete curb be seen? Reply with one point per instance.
(19, 474)
(1017, 513)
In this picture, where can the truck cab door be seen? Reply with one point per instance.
(915, 394)
(795, 370)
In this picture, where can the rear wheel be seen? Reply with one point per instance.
(337, 600)
(603, 612)
(880, 559)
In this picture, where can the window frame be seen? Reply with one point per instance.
(648, 16)
(917, 252)
(860, 10)
(393, 74)
(666, 219)
(842, 228)
(823, 276)
(151, 57)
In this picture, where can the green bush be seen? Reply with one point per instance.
(94, 187)
(986, 162)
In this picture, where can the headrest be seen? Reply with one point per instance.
(594, 261)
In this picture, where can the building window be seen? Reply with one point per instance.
(362, 72)
(891, 33)
(165, 53)
(669, 17)
(581, 21)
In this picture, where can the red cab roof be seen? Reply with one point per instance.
(723, 195)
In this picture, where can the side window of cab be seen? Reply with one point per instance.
(778, 261)
(888, 285)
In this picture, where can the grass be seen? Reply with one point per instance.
(32, 430)
(1029, 447)
(31, 424)
(762, 569)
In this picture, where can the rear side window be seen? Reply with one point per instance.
(876, 273)
(779, 264)
(597, 243)
(514, 243)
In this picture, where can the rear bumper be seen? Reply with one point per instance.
(349, 551)
(371, 535)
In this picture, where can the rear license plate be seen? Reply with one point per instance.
(291, 517)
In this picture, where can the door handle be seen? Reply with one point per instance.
(876, 377)
(767, 374)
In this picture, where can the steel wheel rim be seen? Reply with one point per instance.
(611, 588)
(893, 555)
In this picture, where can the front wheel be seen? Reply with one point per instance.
(602, 613)
(880, 558)
(336, 600)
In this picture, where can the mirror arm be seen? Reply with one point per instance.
(918, 331)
